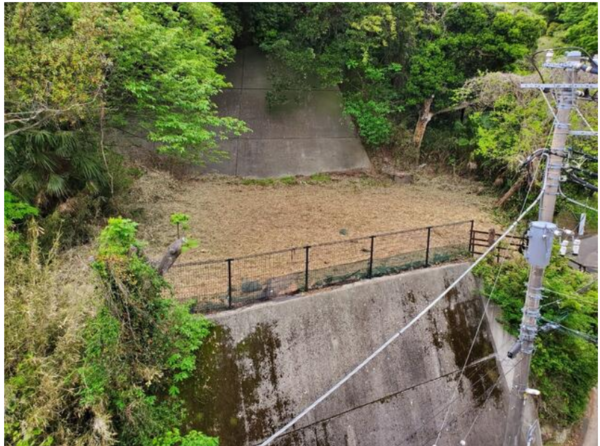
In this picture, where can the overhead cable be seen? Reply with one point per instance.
(580, 181)
(401, 331)
(580, 334)
(583, 154)
(489, 298)
(490, 392)
(578, 203)
(572, 296)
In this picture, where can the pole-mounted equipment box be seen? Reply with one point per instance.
(541, 236)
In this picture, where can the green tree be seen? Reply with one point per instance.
(73, 69)
(456, 42)
(574, 23)
(165, 58)
(391, 61)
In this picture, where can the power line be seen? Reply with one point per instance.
(401, 331)
(491, 390)
(571, 296)
(473, 364)
(540, 235)
(584, 155)
(581, 182)
(434, 416)
(428, 441)
(562, 194)
(580, 334)
(483, 315)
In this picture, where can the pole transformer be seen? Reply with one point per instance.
(540, 235)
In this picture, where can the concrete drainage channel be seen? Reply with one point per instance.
(264, 363)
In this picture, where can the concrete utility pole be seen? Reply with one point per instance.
(565, 102)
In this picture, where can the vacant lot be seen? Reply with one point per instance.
(233, 217)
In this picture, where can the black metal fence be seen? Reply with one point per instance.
(220, 284)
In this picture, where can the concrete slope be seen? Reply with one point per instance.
(307, 135)
(265, 363)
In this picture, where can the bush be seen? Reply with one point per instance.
(375, 128)
(97, 365)
(16, 212)
(564, 366)
(140, 346)
(46, 306)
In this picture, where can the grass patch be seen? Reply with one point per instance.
(368, 181)
(320, 178)
(259, 181)
(265, 182)
(288, 181)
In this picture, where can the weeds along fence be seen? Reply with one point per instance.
(221, 284)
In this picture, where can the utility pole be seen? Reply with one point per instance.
(565, 102)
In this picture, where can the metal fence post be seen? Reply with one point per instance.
(428, 242)
(307, 248)
(229, 287)
(371, 256)
(471, 237)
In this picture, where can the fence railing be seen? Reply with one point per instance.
(482, 240)
(228, 283)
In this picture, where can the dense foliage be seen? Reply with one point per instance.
(96, 357)
(100, 371)
(73, 70)
(564, 365)
(575, 22)
(389, 59)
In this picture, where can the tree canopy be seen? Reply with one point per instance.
(73, 69)
(389, 59)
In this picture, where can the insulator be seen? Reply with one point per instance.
(576, 245)
(563, 247)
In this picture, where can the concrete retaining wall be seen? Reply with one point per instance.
(265, 363)
(307, 135)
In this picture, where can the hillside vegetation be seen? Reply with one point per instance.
(96, 346)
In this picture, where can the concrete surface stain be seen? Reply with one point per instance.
(223, 396)
(461, 331)
(435, 333)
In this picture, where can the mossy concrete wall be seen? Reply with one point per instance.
(263, 364)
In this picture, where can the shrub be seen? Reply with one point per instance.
(564, 367)
(97, 364)
(140, 346)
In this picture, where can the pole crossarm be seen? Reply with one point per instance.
(582, 133)
(560, 86)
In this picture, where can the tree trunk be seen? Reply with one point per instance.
(425, 116)
(173, 252)
(515, 187)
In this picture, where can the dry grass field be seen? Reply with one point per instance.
(232, 217)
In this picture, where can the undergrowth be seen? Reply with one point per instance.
(96, 359)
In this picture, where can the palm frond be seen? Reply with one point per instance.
(56, 186)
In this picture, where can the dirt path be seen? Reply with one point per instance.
(231, 218)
